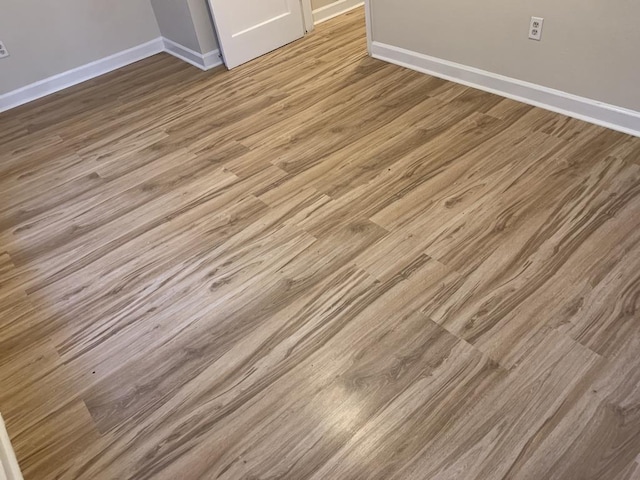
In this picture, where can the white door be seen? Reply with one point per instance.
(250, 28)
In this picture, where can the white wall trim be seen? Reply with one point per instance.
(108, 64)
(204, 61)
(78, 75)
(9, 468)
(593, 111)
(334, 9)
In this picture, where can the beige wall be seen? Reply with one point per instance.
(50, 37)
(589, 48)
(316, 4)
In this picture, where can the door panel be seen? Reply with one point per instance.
(250, 28)
(263, 12)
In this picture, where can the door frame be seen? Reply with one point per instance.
(369, 24)
(307, 14)
(9, 467)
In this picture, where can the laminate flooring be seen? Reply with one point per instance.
(316, 266)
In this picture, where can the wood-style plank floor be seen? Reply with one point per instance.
(317, 266)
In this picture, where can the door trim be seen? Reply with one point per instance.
(9, 468)
(307, 14)
(369, 25)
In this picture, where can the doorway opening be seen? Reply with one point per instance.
(247, 30)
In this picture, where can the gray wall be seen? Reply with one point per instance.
(45, 38)
(589, 48)
(175, 22)
(186, 22)
(203, 24)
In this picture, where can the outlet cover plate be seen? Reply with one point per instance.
(535, 28)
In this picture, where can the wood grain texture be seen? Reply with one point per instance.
(317, 266)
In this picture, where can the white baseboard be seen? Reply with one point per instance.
(599, 113)
(334, 9)
(204, 61)
(108, 64)
(9, 468)
(78, 75)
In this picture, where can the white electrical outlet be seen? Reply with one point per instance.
(535, 28)
(3, 50)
